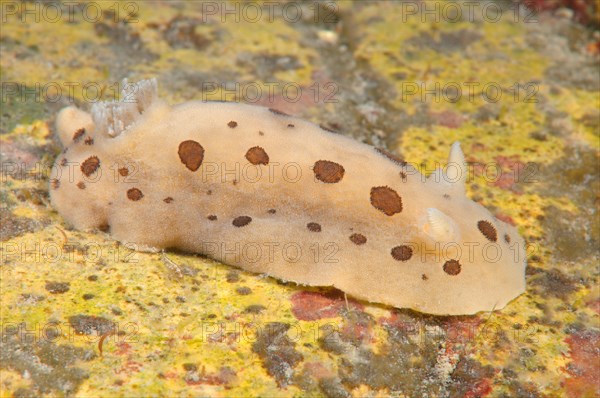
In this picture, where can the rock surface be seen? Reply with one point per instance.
(85, 316)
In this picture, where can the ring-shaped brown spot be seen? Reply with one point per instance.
(191, 154)
(78, 134)
(257, 155)
(452, 267)
(386, 200)
(90, 165)
(232, 124)
(358, 239)
(134, 194)
(241, 221)
(328, 172)
(402, 253)
(313, 227)
(488, 230)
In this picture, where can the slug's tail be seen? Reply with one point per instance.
(72, 123)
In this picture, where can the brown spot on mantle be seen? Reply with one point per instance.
(386, 200)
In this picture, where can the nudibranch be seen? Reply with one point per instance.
(273, 194)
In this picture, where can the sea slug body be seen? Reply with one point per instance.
(273, 194)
